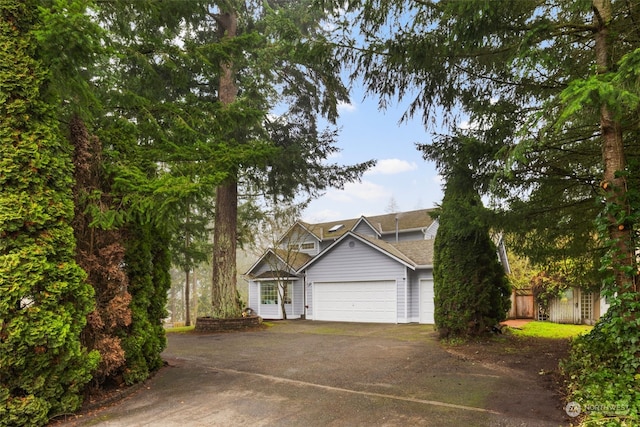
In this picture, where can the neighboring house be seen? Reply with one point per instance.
(576, 306)
(367, 269)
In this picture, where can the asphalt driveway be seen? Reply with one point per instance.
(303, 373)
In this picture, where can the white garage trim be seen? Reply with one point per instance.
(362, 301)
(427, 306)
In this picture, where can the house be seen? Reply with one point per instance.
(367, 269)
(576, 306)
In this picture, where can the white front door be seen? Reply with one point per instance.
(427, 305)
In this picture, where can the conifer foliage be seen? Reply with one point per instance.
(100, 253)
(44, 299)
(470, 285)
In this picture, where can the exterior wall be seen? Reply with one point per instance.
(403, 236)
(414, 279)
(295, 310)
(298, 237)
(570, 308)
(325, 244)
(357, 262)
(364, 229)
(254, 295)
(401, 299)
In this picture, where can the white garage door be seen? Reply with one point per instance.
(355, 301)
(426, 301)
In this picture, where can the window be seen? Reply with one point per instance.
(288, 291)
(586, 305)
(268, 293)
(302, 246)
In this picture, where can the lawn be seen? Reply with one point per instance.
(550, 330)
(180, 329)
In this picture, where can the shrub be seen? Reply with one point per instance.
(43, 297)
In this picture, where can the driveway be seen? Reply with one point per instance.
(303, 373)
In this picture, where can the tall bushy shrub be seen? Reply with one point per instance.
(43, 297)
(470, 285)
(100, 253)
(148, 265)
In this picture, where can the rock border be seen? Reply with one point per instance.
(211, 324)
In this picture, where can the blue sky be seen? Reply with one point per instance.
(401, 173)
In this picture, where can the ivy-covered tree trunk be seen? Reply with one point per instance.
(224, 291)
(620, 227)
(471, 291)
(44, 299)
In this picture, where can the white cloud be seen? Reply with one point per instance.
(364, 190)
(346, 107)
(324, 215)
(392, 166)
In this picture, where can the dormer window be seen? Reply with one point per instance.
(336, 228)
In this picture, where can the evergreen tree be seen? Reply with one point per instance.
(203, 83)
(44, 299)
(100, 252)
(551, 88)
(471, 290)
(148, 263)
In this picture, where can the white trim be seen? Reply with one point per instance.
(421, 319)
(392, 306)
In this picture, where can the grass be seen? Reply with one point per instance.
(550, 330)
(180, 329)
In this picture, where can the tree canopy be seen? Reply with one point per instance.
(550, 90)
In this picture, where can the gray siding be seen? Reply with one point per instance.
(414, 292)
(298, 237)
(272, 311)
(404, 236)
(364, 229)
(325, 244)
(254, 295)
(269, 311)
(263, 267)
(401, 299)
(360, 262)
(298, 298)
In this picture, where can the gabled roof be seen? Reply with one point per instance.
(413, 254)
(419, 251)
(293, 259)
(411, 220)
(322, 230)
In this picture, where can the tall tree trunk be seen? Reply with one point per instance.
(614, 183)
(187, 245)
(194, 292)
(224, 295)
(187, 299)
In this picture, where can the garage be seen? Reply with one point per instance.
(427, 306)
(367, 301)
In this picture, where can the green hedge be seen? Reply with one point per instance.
(43, 297)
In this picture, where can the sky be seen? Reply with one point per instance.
(400, 175)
